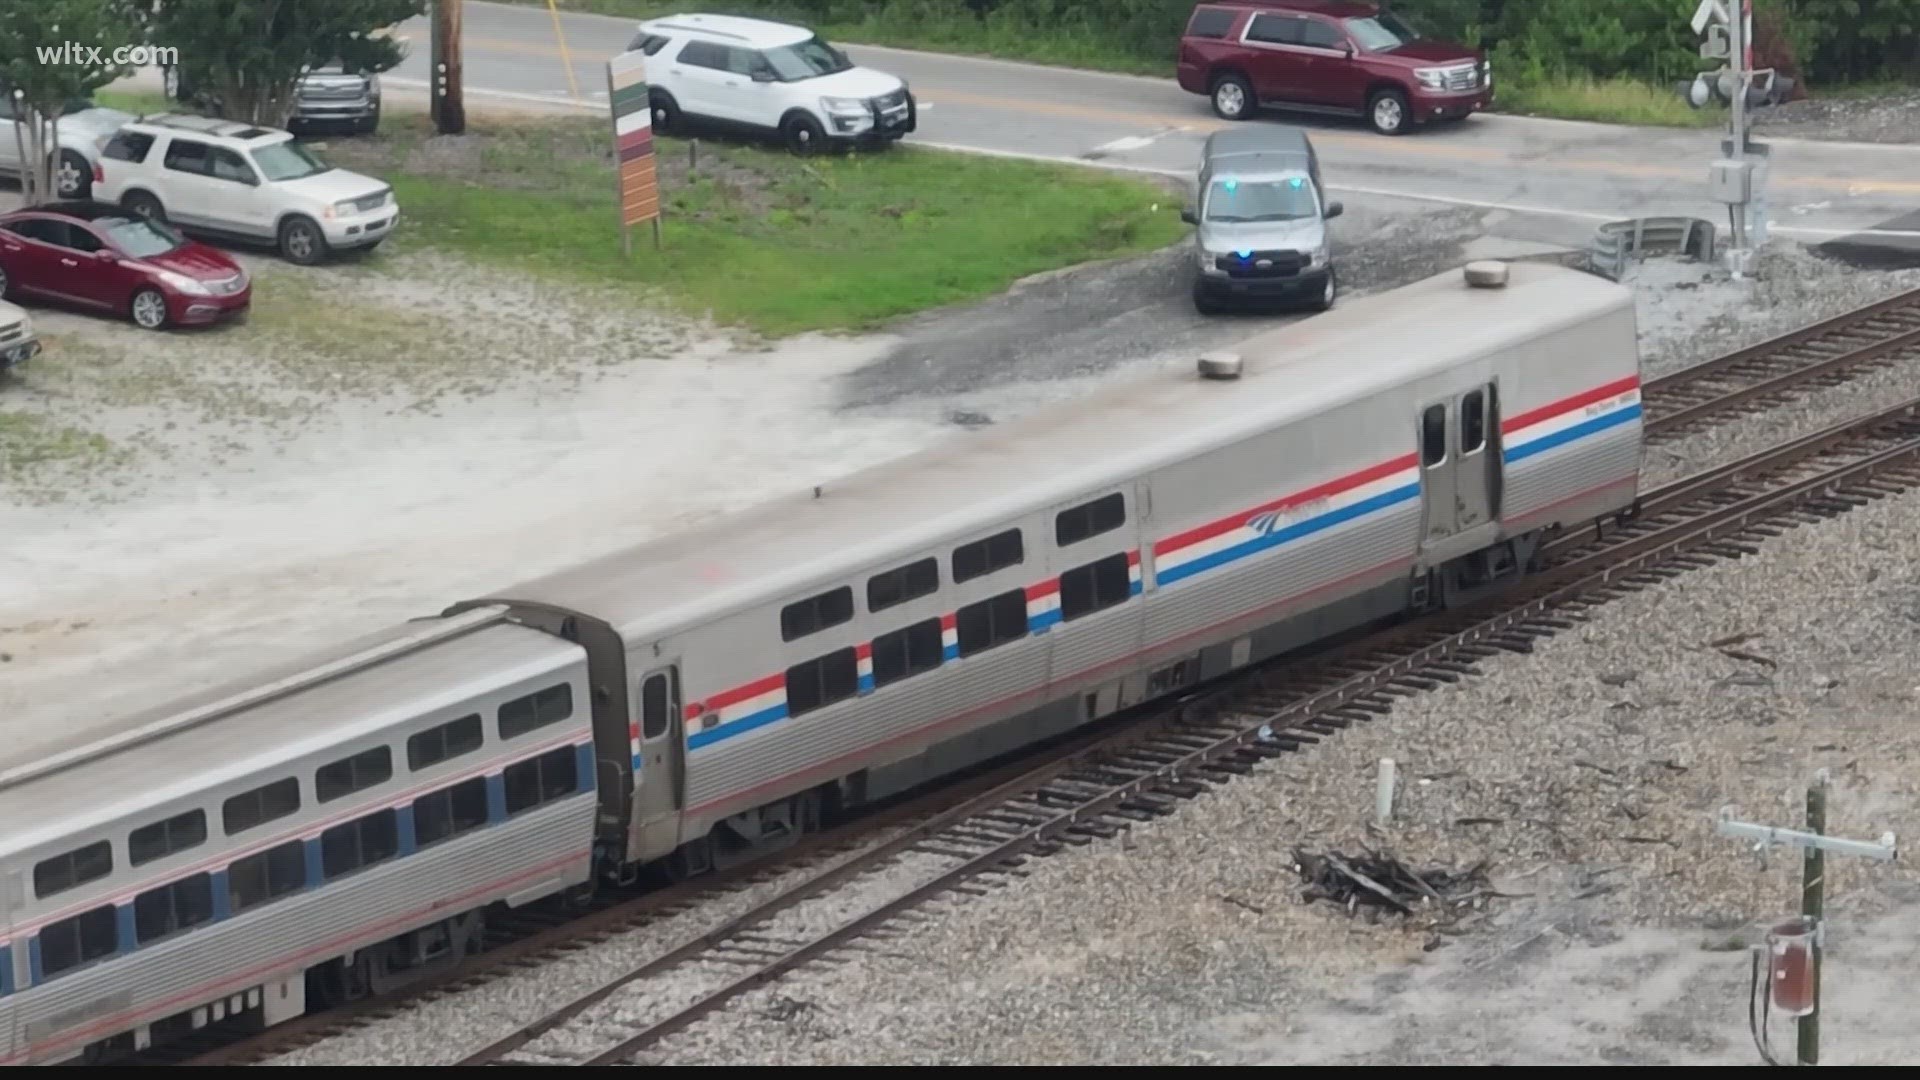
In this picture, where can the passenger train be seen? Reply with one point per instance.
(318, 833)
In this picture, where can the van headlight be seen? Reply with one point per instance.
(1318, 257)
(1431, 78)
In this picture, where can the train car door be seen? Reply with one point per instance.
(1476, 473)
(1438, 491)
(660, 779)
(12, 960)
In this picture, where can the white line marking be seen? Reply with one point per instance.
(1125, 142)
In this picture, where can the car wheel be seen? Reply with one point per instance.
(1328, 292)
(301, 242)
(150, 309)
(1232, 98)
(72, 176)
(145, 205)
(1387, 111)
(666, 113)
(803, 134)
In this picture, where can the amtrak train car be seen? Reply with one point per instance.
(850, 642)
(328, 830)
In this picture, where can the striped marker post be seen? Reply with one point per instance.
(638, 189)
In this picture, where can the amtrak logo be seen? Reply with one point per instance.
(1266, 523)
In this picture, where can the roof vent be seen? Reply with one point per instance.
(1220, 365)
(1487, 274)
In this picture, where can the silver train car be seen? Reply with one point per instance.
(707, 697)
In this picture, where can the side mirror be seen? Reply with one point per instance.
(1348, 49)
(1335, 209)
(1187, 215)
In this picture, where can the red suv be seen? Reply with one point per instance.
(1328, 57)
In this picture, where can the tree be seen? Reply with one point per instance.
(247, 56)
(46, 70)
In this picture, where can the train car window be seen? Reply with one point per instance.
(909, 582)
(359, 844)
(983, 557)
(1077, 523)
(444, 743)
(173, 907)
(820, 682)
(537, 781)
(164, 838)
(537, 710)
(270, 875)
(1094, 587)
(72, 869)
(653, 707)
(261, 805)
(906, 652)
(357, 773)
(442, 815)
(993, 621)
(816, 613)
(1473, 422)
(1433, 435)
(67, 944)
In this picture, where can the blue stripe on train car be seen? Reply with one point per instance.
(583, 765)
(403, 830)
(316, 869)
(222, 899)
(1578, 431)
(129, 935)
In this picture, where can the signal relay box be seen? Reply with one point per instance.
(1730, 180)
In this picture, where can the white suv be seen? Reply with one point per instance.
(767, 76)
(80, 129)
(229, 179)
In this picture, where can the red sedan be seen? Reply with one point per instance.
(101, 257)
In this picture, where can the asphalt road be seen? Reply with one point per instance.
(1573, 171)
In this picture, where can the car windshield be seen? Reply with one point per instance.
(1381, 32)
(1235, 201)
(138, 237)
(809, 59)
(287, 161)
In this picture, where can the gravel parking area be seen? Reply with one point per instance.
(1881, 118)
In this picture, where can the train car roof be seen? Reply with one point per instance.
(954, 492)
(103, 787)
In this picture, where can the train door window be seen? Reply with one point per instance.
(816, 613)
(901, 584)
(1473, 422)
(261, 805)
(271, 874)
(164, 838)
(991, 622)
(72, 869)
(1094, 587)
(357, 773)
(983, 557)
(444, 742)
(444, 814)
(537, 781)
(1105, 514)
(1433, 435)
(655, 706)
(173, 907)
(818, 683)
(536, 710)
(360, 843)
(906, 652)
(85, 937)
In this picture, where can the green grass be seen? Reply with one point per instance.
(137, 102)
(1608, 101)
(1611, 101)
(758, 237)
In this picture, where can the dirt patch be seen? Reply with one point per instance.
(1881, 118)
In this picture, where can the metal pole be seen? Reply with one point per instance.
(1736, 59)
(1813, 889)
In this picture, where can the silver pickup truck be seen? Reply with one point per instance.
(327, 97)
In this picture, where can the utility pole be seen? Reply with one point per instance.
(1738, 178)
(1812, 923)
(446, 102)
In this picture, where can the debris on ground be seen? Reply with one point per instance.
(1381, 882)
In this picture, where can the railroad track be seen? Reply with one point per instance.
(1099, 792)
(1768, 375)
(1739, 384)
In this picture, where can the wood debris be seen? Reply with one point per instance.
(1382, 883)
